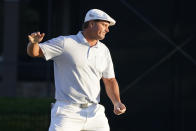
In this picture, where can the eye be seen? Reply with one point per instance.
(105, 25)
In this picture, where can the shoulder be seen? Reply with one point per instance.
(103, 47)
(69, 38)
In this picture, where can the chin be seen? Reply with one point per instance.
(101, 38)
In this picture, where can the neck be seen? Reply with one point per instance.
(92, 41)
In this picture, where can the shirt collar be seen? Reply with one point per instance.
(84, 41)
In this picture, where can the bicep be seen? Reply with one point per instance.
(108, 81)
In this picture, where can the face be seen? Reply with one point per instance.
(99, 29)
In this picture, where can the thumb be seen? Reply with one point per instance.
(122, 107)
(118, 108)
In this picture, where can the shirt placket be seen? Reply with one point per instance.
(91, 56)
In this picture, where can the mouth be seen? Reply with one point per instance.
(104, 33)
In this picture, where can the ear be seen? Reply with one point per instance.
(91, 24)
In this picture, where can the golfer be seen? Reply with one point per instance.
(80, 62)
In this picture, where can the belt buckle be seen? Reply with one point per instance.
(84, 105)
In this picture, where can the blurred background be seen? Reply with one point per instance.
(153, 50)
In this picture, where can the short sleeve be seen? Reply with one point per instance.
(52, 48)
(109, 69)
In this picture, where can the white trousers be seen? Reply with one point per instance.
(71, 117)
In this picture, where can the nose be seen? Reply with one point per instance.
(107, 30)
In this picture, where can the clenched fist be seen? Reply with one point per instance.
(119, 108)
(36, 37)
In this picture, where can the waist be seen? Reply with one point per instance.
(80, 105)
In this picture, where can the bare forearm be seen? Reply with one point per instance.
(33, 49)
(113, 93)
(112, 90)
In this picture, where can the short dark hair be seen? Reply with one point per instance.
(85, 25)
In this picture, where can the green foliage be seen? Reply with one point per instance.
(25, 114)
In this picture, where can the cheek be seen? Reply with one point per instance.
(96, 29)
(101, 30)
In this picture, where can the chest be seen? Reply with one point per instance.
(83, 56)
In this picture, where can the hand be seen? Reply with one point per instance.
(36, 37)
(119, 108)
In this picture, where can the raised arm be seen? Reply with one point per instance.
(112, 90)
(33, 48)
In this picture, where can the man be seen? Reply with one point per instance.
(80, 61)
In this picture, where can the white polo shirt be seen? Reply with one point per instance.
(78, 67)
